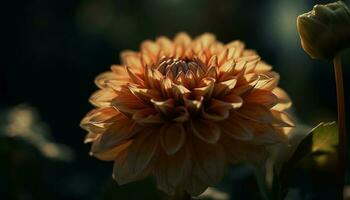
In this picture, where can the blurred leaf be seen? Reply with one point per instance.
(320, 142)
(316, 152)
(23, 122)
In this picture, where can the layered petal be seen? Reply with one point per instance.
(182, 109)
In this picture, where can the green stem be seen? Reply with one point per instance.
(341, 125)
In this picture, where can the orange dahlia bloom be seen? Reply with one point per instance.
(182, 109)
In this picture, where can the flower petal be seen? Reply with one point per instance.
(144, 94)
(282, 119)
(135, 78)
(263, 67)
(251, 62)
(226, 69)
(256, 113)
(99, 119)
(181, 114)
(284, 101)
(150, 48)
(193, 105)
(266, 134)
(103, 98)
(225, 87)
(90, 137)
(172, 137)
(215, 114)
(182, 39)
(206, 88)
(234, 100)
(172, 170)
(235, 49)
(136, 159)
(123, 129)
(101, 79)
(263, 97)
(205, 130)
(147, 116)
(209, 161)
(165, 107)
(167, 47)
(211, 73)
(111, 153)
(126, 102)
(153, 77)
(132, 59)
(179, 91)
(237, 128)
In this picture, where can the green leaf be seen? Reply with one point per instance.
(316, 152)
(320, 143)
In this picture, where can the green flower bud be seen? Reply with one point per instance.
(325, 30)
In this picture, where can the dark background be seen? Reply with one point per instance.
(52, 50)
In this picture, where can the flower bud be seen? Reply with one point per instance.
(325, 30)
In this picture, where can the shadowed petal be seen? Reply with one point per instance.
(234, 100)
(133, 163)
(111, 153)
(179, 91)
(90, 137)
(117, 133)
(135, 78)
(205, 130)
(225, 87)
(237, 128)
(194, 186)
(172, 137)
(165, 107)
(193, 105)
(171, 171)
(209, 161)
(215, 114)
(181, 114)
(206, 88)
(256, 113)
(144, 94)
(263, 97)
(265, 134)
(147, 116)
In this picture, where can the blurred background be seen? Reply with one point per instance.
(54, 49)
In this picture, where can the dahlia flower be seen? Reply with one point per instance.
(182, 109)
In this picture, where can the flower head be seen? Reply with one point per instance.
(183, 109)
(325, 30)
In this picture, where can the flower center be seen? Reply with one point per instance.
(173, 67)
